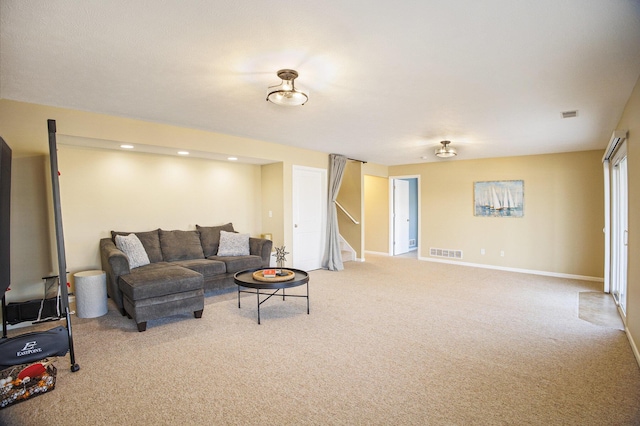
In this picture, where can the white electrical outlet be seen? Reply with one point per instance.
(502, 253)
(482, 251)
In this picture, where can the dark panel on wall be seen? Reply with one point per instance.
(5, 215)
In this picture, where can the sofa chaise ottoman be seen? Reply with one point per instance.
(161, 293)
(169, 272)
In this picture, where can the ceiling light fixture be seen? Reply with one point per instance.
(232, 158)
(285, 93)
(446, 151)
(126, 146)
(183, 152)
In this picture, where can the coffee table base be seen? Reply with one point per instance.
(269, 295)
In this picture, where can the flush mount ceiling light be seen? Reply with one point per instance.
(446, 151)
(285, 93)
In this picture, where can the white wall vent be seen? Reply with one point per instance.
(448, 253)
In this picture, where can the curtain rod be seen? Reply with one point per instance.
(353, 159)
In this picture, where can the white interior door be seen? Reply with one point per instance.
(309, 201)
(400, 216)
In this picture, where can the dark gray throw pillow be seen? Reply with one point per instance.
(210, 237)
(180, 245)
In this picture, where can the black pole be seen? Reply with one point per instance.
(4, 316)
(62, 262)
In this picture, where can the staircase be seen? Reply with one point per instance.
(347, 252)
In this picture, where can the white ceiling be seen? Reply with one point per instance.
(388, 80)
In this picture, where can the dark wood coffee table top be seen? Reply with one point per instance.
(245, 279)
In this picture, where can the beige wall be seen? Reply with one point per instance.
(272, 202)
(373, 169)
(24, 127)
(631, 121)
(561, 231)
(376, 214)
(29, 223)
(102, 190)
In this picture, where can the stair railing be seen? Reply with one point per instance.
(347, 213)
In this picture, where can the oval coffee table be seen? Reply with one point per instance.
(270, 288)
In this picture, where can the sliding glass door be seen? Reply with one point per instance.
(619, 228)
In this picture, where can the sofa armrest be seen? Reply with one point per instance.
(261, 247)
(115, 263)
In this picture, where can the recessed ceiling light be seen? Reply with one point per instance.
(126, 146)
(232, 158)
(183, 152)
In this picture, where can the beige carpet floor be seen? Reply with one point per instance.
(392, 341)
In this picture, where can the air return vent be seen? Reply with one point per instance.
(569, 114)
(448, 253)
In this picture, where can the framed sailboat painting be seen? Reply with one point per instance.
(500, 198)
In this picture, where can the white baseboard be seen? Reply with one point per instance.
(502, 268)
(634, 348)
(377, 252)
(522, 271)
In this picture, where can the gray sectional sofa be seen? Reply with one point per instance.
(179, 268)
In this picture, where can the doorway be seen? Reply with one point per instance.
(404, 215)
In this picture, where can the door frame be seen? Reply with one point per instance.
(615, 150)
(391, 210)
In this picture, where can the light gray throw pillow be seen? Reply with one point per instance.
(233, 244)
(132, 247)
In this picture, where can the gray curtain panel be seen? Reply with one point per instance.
(333, 258)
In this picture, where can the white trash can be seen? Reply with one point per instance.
(91, 293)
